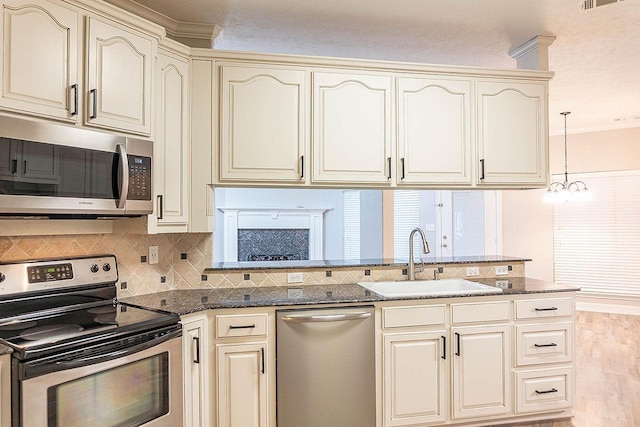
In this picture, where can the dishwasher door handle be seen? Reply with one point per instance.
(326, 317)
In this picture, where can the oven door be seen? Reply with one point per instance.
(139, 389)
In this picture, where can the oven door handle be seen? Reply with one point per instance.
(85, 361)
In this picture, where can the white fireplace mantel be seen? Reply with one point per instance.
(273, 218)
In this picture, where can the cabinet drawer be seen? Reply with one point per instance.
(480, 312)
(399, 317)
(548, 343)
(544, 390)
(241, 325)
(541, 308)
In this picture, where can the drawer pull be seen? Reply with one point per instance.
(242, 326)
(553, 390)
(546, 345)
(547, 309)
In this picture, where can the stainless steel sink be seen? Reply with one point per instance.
(416, 288)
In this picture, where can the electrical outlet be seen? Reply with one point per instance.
(504, 284)
(473, 271)
(501, 270)
(430, 227)
(154, 255)
(294, 277)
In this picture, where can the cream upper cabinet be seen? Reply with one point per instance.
(481, 371)
(263, 124)
(195, 350)
(351, 128)
(39, 64)
(171, 144)
(119, 66)
(434, 131)
(512, 133)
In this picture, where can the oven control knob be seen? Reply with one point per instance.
(106, 267)
(2, 277)
(94, 268)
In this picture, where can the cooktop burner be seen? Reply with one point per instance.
(49, 332)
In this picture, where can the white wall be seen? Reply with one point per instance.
(527, 222)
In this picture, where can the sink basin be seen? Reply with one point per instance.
(417, 288)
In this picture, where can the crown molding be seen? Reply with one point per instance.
(174, 29)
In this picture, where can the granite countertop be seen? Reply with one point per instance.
(193, 300)
(373, 262)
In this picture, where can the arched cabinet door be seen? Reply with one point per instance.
(512, 133)
(434, 131)
(351, 128)
(39, 60)
(119, 66)
(264, 124)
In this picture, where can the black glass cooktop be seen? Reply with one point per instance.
(68, 328)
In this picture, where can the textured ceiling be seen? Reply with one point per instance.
(596, 56)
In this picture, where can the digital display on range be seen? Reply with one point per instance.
(49, 273)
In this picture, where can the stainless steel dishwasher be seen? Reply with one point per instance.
(326, 368)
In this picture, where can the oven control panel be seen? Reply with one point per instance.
(35, 276)
(49, 273)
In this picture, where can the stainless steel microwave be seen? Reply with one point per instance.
(58, 171)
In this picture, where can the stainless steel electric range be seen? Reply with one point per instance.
(80, 357)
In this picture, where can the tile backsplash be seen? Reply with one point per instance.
(183, 258)
(135, 276)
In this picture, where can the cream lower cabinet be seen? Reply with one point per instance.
(171, 146)
(263, 124)
(544, 333)
(414, 378)
(351, 128)
(481, 371)
(5, 390)
(434, 131)
(512, 133)
(39, 61)
(195, 350)
(243, 369)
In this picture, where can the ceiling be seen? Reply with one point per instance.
(596, 56)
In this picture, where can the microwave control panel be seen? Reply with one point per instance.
(139, 178)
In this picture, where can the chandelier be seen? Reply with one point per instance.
(567, 191)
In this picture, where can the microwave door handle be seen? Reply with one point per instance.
(124, 170)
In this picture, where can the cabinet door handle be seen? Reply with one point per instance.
(262, 357)
(24, 167)
(481, 168)
(74, 87)
(553, 390)
(94, 96)
(242, 326)
(388, 167)
(457, 344)
(160, 207)
(196, 340)
(444, 347)
(402, 168)
(546, 345)
(14, 166)
(547, 309)
(301, 166)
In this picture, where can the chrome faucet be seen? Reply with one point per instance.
(411, 270)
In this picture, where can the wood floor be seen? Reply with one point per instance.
(607, 372)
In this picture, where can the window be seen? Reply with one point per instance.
(351, 200)
(597, 243)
